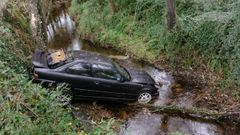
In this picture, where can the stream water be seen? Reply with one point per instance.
(62, 35)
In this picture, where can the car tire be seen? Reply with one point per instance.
(144, 97)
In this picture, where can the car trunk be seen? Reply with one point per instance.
(44, 59)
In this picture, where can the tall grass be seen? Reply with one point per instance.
(206, 32)
(27, 108)
(17, 14)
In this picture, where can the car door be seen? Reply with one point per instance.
(80, 78)
(108, 82)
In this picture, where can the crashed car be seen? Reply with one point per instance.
(93, 76)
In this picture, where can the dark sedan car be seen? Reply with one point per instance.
(93, 76)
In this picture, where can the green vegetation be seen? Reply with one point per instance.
(16, 13)
(207, 32)
(176, 133)
(26, 108)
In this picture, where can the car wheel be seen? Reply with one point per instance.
(144, 98)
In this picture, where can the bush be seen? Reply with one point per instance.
(27, 108)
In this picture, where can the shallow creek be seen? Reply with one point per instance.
(62, 35)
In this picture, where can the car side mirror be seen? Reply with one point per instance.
(122, 79)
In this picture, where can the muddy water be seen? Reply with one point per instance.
(62, 35)
(145, 123)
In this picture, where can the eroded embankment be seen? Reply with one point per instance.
(26, 108)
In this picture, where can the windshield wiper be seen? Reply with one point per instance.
(128, 74)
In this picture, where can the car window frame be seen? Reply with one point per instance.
(109, 79)
(90, 72)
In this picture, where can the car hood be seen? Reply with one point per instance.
(140, 76)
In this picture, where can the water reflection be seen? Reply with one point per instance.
(155, 124)
(166, 80)
(61, 32)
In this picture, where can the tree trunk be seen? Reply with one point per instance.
(171, 16)
(113, 6)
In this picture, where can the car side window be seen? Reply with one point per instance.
(104, 71)
(80, 69)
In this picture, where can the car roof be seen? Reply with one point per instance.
(91, 57)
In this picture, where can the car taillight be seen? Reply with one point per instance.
(35, 75)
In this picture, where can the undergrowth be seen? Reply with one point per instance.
(27, 108)
(206, 33)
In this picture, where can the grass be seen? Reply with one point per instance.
(206, 33)
(176, 133)
(26, 108)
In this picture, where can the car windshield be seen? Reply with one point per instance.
(122, 71)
